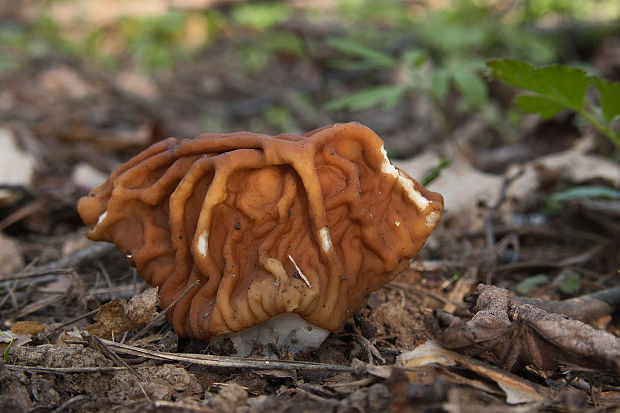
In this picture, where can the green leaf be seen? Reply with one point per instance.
(343, 64)
(512, 72)
(570, 282)
(434, 173)
(562, 84)
(580, 192)
(415, 57)
(356, 49)
(609, 97)
(540, 105)
(527, 284)
(470, 85)
(440, 83)
(8, 348)
(367, 98)
(261, 16)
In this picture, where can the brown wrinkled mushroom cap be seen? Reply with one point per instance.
(304, 224)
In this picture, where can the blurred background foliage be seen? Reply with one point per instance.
(383, 56)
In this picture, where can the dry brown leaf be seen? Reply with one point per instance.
(27, 327)
(16, 166)
(11, 258)
(87, 177)
(464, 189)
(467, 191)
(510, 334)
(516, 389)
(119, 315)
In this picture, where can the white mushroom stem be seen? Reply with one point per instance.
(287, 332)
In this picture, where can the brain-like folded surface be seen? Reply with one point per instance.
(306, 224)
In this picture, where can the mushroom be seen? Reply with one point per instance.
(280, 230)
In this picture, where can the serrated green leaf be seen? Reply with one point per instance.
(539, 105)
(512, 72)
(527, 284)
(609, 97)
(364, 99)
(470, 85)
(564, 85)
(355, 49)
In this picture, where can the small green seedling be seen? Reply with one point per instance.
(557, 88)
(434, 173)
(11, 339)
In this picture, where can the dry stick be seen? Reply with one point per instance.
(163, 313)
(370, 348)
(73, 400)
(431, 294)
(93, 252)
(96, 343)
(63, 370)
(45, 334)
(490, 236)
(584, 308)
(20, 214)
(182, 405)
(105, 274)
(225, 362)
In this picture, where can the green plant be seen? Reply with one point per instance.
(430, 54)
(416, 72)
(527, 284)
(261, 16)
(8, 347)
(557, 88)
(555, 201)
(434, 173)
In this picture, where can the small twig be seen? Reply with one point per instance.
(163, 313)
(123, 289)
(370, 349)
(45, 334)
(10, 295)
(35, 274)
(105, 274)
(223, 362)
(37, 305)
(73, 400)
(431, 294)
(63, 370)
(499, 249)
(183, 406)
(490, 237)
(93, 252)
(21, 213)
(490, 221)
(584, 308)
(100, 345)
(430, 265)
(357, 383)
